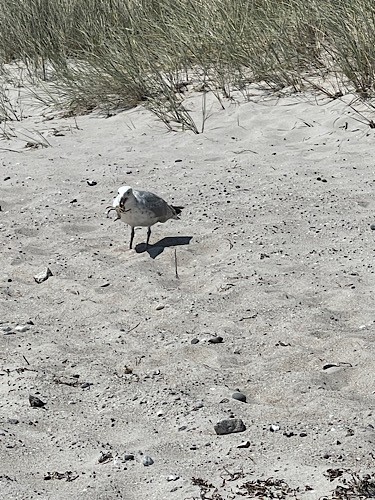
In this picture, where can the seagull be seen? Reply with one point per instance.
(142, 208)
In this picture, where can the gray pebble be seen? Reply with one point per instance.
(43, 276)
(13, 421)
(105, 457)
(21, 328)
(228, 426)
(274, 428)
(7, 330)
(244, 444)
(147, 461)
(215, 340)
(92, 183)
(239, 396)
(172, 477)
(194, 341)
(128, 456)
(288, 434)
(198, 405)
(36, 402)
(372, 227)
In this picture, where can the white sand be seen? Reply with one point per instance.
(280, 264)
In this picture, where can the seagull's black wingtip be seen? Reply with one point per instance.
(178, 210)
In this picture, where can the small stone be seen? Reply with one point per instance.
(274, 428)
(172, 477)
(159, 307)
(128, 172)
(372, 227)
(160, 413)
(194, 341)
(239, 396)
(244, 444)
(43, 276)
(6, 178)
(21, 328)
(35, 402)
(147, 461)
(92, 183)
(288, 434)
(86, 385)
(229, 426)
(7, 330)
(198, 405)
(13, 421)
(105, 457)
(128, 456)
(215, 340)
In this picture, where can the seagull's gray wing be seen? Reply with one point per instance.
(155, 204)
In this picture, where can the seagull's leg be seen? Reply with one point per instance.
(131, 238)
(148, 236)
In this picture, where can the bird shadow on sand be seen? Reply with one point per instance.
(158, 248)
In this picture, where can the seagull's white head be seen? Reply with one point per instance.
(124, 193)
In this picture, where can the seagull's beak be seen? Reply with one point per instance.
(122, 202)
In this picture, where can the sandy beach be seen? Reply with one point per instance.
(274, 254)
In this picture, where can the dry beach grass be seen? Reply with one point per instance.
(122, 52)
(273, 253)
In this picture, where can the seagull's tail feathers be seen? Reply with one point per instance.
(177, 211)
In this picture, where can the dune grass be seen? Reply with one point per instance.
(123, 52)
